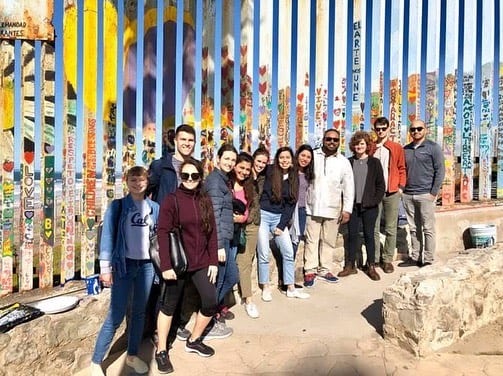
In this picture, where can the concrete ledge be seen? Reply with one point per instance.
(59, 344)
(452, 226)
(437, 305)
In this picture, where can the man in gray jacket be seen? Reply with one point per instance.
(425, 173)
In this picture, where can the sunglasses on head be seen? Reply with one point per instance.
(380, 129)
(331, 139)
(416, 129)
(192, 176)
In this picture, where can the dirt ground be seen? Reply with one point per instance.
(488, 340)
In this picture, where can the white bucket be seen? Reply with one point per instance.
(483, 235)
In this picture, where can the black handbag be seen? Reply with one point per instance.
(154, 253)
(178, 257)
(177, 254)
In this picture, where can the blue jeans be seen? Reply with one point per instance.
(228, 274)
(268, 223)
(134, 287)
(302, 227)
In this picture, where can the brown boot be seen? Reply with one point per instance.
(348, 270)
(372, 273)
(387, 267)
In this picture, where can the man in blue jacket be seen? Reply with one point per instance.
(164, 173)
(425, 173)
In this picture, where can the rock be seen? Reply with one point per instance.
(59, 344)
(433, 307)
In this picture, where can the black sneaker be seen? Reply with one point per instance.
(182, 334)
(163, 363)
(409, 262)
(199, 347)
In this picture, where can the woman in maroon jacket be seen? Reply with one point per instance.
(190, 208)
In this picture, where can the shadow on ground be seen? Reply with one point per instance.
(373, 315)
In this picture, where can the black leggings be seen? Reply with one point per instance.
(174, 289)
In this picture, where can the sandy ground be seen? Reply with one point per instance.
(488, 340)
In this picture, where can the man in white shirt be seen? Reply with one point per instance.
(329, 202)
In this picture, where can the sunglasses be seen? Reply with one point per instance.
(193, 176)
(380, 129)
(416, 129)
(331, 139)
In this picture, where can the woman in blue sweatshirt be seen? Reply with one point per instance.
(277, 204)
(126, 268)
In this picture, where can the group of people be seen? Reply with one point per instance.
(244, 208)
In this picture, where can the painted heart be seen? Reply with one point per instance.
(262, 70)
(225, 52)
(8, 166)
(300, 97)
(90, 222)
(225, 70)
(262, 87)
(29, 214)
(48, 148)
(29, 156)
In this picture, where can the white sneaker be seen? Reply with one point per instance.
(266, 295)
(96, 369)
(297, 294)
(137, 364)
(252, 310)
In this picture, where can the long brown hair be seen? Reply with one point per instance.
(205, 205)
(277, 178)
(247, 184)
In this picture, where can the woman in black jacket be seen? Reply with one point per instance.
(369, 191)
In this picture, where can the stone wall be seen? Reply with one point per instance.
(58, 344)
(437, 305)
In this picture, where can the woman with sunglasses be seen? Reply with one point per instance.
(247, 253)
(191, 209)
(217, 188)
(369, 191)
(277, 204)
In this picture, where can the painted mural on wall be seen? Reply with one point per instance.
(26, 19)
(249, 93)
